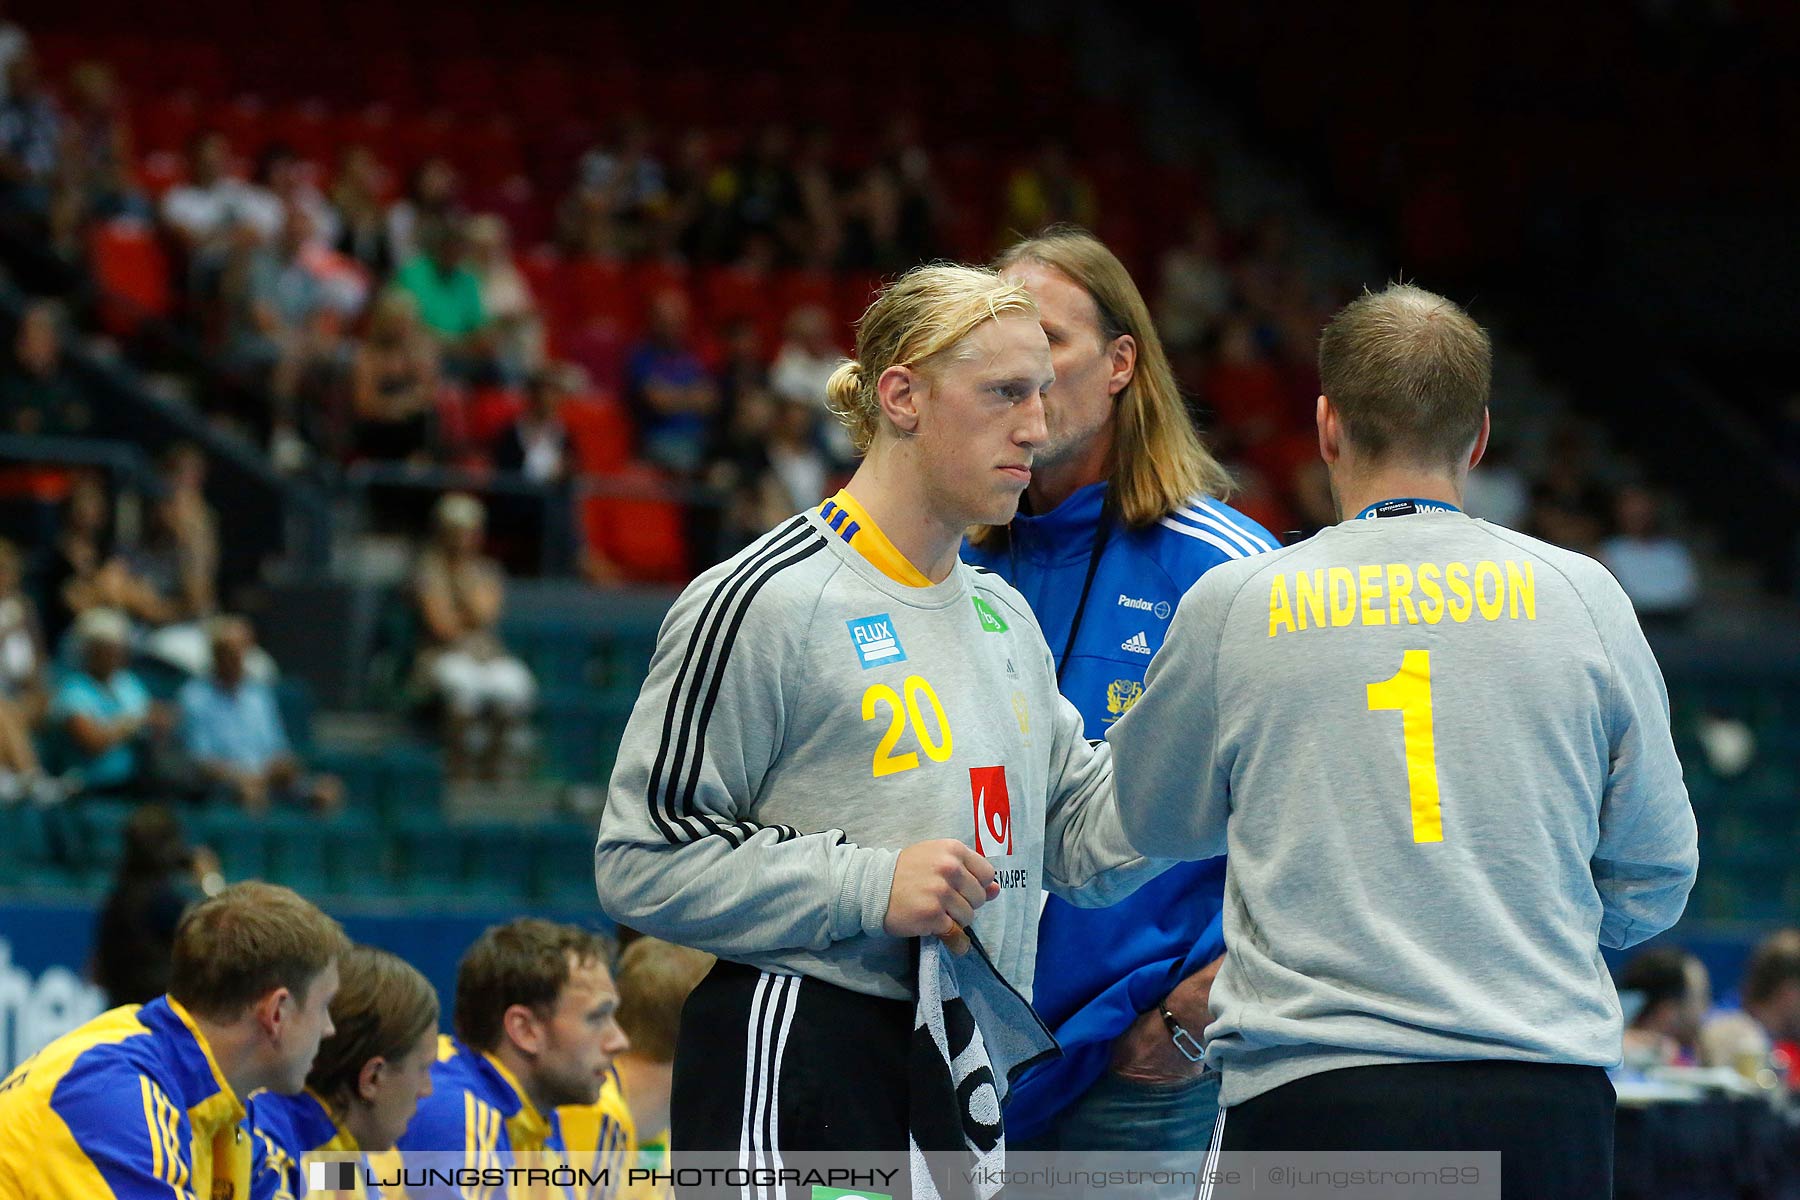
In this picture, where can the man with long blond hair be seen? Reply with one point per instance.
(1123, 514)
(850, 739)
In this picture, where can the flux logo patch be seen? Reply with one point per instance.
(876, 643)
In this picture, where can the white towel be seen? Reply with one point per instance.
(972, 1035)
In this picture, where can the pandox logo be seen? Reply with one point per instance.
(993, 810)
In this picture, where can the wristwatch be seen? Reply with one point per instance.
(1184, 1041)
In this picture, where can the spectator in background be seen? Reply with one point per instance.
(102, 712)
(180, 558)
(448, 294)
(506, 300)
(484, 692)
(31, 139)
(765, 195)
(160, 876)
(87, 570)
(872, 210)
(1567, 505)
(627, 183)
(1770, 1017)
(14, 41)
(794, 454)
(1656, 570)
(806, 360)
(739, 466)
(697, 221)
(284, 326)
(816, 185)
(742, 367)
(1497, 490)
(99, 156)
(22, 695)
(431, 199)
(38, 395)
(203, 212)
(536, 445)
(24, 661)
(1676, 994)
(1049, 191)
(231, 729)
(363, 231)
(668, 388)
(584, 227)
(909, 164)
(289, 178)
(394, 385)
(1196, 287)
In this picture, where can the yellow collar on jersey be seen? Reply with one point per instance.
(341, 1140)
(528, 1129)
(223, 1109)
(850, 521)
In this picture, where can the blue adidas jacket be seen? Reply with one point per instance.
(1097, 969)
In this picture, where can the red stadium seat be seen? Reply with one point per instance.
(732, 294)
(646, 538)
(133, 273)
(160, 171)
(245, 124)
(601, 434)
(600, 290)
(598, 347)
(659, 275)
(307, 129)
(490, 410)
(167, 122)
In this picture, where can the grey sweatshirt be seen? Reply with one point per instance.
(805, 718)
(1438, 753)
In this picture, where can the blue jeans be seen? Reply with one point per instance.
(1120, 1115)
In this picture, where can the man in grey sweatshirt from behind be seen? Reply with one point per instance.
(1438, 753)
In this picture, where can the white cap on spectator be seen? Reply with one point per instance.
(459, 510)
(103, 625)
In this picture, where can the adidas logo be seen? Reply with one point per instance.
(1137, 643)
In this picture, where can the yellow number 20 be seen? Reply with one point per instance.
(1409, 693)
(937, 749)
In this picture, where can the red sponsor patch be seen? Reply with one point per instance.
(993, 810)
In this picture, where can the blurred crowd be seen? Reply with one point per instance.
(1672, 1020)
(122, 675)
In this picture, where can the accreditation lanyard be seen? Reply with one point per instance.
(1405, 506)
(1102, 535)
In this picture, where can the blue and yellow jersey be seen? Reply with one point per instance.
(131, 1105)
(602, 1137)
(478, 1110)
(286, 1130)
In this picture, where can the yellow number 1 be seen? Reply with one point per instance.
(1409, 693)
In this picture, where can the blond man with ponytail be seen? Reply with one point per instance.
(1124, 513)
(850, 739)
